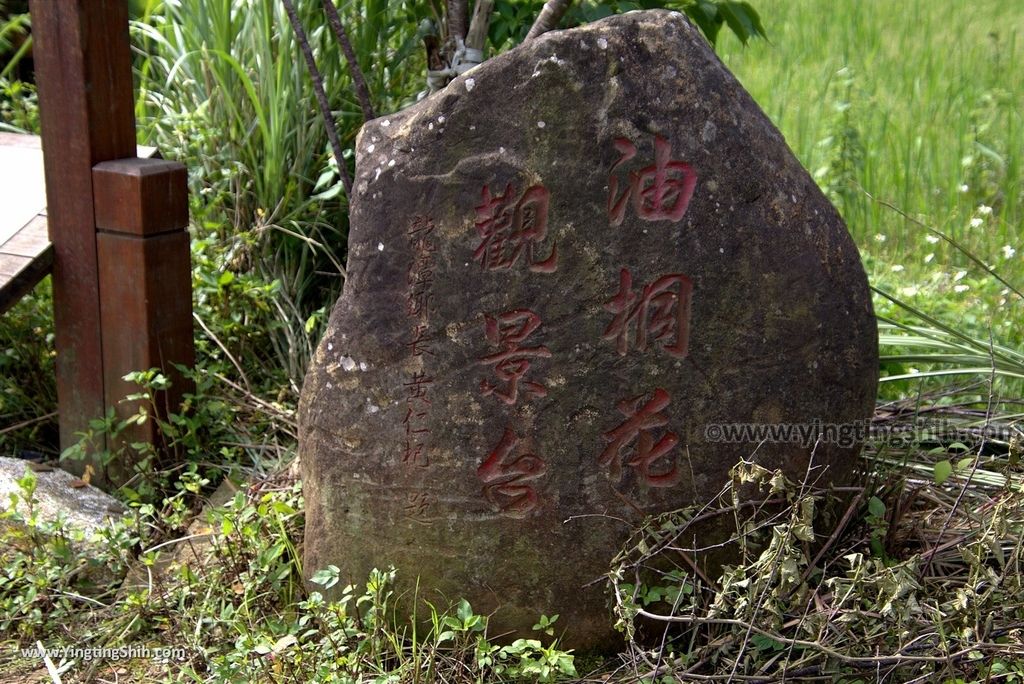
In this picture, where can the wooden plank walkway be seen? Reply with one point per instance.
(26, 255)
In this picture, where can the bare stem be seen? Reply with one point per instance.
(362, 92)
(321, 95)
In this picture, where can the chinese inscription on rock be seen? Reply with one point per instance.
(562, 269)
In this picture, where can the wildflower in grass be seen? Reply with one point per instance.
(879, 237)
(909, 291)
(961, 288)
(1008, 252)
(932, 239)
(959, 276)
(976, 221)
(964, 188)
(896, 268)
(984, 210)
(928, 258)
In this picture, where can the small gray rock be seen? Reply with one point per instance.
(84, 508)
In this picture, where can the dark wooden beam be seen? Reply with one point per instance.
(84, 77)
(121, 274)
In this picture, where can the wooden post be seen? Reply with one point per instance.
(84, 76)
(141, 208)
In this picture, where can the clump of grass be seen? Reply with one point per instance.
(225, 595)
(28, 392)
(224, 89)
(919, 581)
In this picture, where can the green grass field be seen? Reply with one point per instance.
(915, 103)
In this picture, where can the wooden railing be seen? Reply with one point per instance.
(117, 224)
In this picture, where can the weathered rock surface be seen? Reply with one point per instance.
(83, 508)
(563, 269)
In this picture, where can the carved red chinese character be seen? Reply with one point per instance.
(643, 418)
(417, 391)
(661, 313)
(415, 453)
(420, 295)
(417, 507)
(418, 387)
(421, 271)
(420, 228)
(660, 192)
(411, 418)
(506, 481)
(510, 364)
(509, 228)
(421, 341)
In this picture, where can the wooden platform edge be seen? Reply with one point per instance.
(23, 140)
(27, 256)
(27, 277)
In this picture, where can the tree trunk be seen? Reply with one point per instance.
(549, 17)
(457, 12)
(477, 36)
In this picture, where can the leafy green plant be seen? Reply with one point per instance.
(205, 438)
(844, 152)
(50, 568)
(28, 392)
(546, 624)
(15, 41)
(943, 349)
(526, 659)
(19, 107)
(878, 525)
(513, 18)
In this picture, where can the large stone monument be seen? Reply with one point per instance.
(565, 271)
